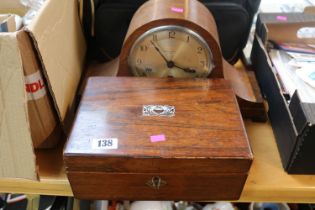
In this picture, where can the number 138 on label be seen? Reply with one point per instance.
(105, 143)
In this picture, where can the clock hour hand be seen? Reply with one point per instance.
(159, 51)
(188, 70)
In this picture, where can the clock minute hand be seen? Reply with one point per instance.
(171, 64)
(159, 51)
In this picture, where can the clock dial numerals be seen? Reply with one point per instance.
(143, 48)
(171, 34)
(139, 61)
(199, 50)
(170, 52)
(154, 37)
(148, 70)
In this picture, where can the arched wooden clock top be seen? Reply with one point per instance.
(189, 14)
(189, 10)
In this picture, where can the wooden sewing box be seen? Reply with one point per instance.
(201, 152)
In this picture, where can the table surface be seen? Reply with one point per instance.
(267, 180)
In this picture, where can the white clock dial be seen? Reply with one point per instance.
(170, 51)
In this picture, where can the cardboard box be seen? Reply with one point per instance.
(12, 6)
(60, 47)
(45, 127)
(293, 120)
(7, 23)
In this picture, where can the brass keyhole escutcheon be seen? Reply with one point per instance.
(156, 182)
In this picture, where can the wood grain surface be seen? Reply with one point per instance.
(154, 13)
(207, 119)
(204, 151)
(243, 83)
(193, 186)
(246, 89)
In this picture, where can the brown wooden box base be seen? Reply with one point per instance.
(125, 186)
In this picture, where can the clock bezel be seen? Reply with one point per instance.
(200, 39)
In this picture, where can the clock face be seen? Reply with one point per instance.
(170, 51)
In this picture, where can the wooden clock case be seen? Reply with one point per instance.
(188, 14)
(195, 16)
(205, 153)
